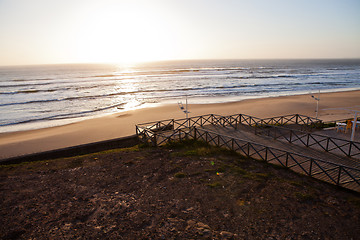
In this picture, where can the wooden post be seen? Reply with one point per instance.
(266, 153)
(327, 144)
(350, 145)
(339, 176)
(248, 149)
(307, 141)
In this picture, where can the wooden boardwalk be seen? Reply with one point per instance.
(293, 147)
(327, 141)
(247, 133)
(323, 170)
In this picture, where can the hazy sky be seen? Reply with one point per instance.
(70, 31)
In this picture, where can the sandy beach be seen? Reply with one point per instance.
(123, 124)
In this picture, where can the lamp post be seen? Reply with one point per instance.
(184, 109)
(317, 104)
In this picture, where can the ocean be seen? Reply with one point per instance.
(33, 97)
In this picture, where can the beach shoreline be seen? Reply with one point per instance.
(331, 107)
(37, 125)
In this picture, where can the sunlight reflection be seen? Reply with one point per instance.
(125, 68)
(126, 88)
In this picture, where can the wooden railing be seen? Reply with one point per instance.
(337, 174)
(146, 131)
(272, 127)
(268, 126)
(295, 119)
(232, 120)
(330, 172)
(172, 124)
(317, 141)
(161, 132)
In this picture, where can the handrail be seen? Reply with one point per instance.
(181, 119)
(338, 174)
(345, 147)
(300, 155)
(349, 148)
(219, 116)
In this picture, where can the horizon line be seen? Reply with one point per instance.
(174, 60)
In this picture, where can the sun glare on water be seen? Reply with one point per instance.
(123, 34)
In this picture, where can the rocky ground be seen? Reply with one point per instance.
(181, 191)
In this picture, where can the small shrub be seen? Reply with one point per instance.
(263, 175)
(240, 202)
(130, 149)
(180, 175)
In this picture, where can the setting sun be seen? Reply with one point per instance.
(123, 33)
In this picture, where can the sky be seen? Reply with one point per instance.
(121, 31)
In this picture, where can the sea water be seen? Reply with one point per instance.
(40, 96)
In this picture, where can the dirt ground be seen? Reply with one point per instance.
(181, 191)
